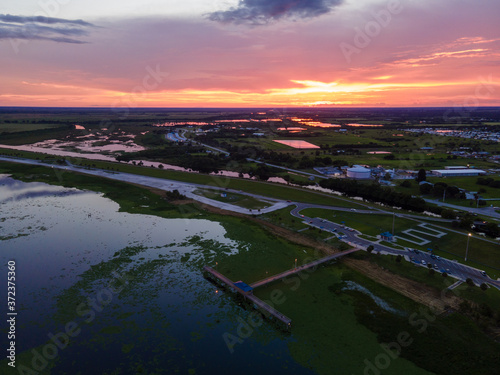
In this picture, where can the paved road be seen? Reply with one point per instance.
(176, 137)
(184, 188)
(485, 211)
(456, 270)
(350, 236)
(288, 169)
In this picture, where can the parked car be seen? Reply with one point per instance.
(424, 262)
(483, 273)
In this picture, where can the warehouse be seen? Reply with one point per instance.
(458, 172)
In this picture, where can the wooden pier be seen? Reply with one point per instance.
(293, 271)
(247, 290)
(264, 308)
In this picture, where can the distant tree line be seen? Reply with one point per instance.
(160, 153)
(440, 189)
(488, 181)
(374, 192)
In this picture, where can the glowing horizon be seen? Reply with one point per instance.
(344, 55)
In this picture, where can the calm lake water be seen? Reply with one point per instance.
(69, 245)
(134, 286)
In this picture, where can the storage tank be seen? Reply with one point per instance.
(359, 173)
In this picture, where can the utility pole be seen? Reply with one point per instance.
(467, 248)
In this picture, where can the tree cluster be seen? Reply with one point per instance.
(375, 193)
(488, 181)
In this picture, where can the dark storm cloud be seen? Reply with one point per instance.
(43, 28)
(258, 12)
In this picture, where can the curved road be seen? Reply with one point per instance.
(185, 188)
(350, 236)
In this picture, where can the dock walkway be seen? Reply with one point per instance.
(293, 271)
(265, 308)
(247, 290)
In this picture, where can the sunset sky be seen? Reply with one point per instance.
(249, 53)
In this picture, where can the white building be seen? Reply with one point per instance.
(455, 167)
(458, 172)
(359, 173)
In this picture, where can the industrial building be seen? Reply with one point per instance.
(329, 171)
(458, 172)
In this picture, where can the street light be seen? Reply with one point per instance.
(467, 248)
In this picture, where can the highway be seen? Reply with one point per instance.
(177, 137)
(485, 211)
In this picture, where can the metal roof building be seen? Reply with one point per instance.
(458, 172)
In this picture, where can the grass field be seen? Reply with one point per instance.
(370, 224)
(38, 135)
(14, 128)
(491, 296)
(236, 199)
(411, 271)
(282, 217)
(467, 183)
(482, 254)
